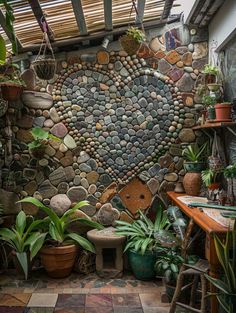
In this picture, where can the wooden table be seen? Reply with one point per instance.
(210, 227)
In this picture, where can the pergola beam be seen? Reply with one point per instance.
(140, 11)
(79, 16)
(38, 13)
(167, 8)
(108, 14)
(7, 32)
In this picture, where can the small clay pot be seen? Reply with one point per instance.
(192, 183)
(11, 91)
(223, 112)
(59, 261)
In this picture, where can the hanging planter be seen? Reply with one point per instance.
(45, 67)
(132, 40)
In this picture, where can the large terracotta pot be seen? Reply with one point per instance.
(223, 112)
(192, 183)
(59, 261)
(11, 91)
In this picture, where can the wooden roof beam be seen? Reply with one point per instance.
(38, 13)
(79, 16)
(167, 8)
(140, 11)
(7, 32)
(108, 14)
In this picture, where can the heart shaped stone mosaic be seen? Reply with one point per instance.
(124, 116)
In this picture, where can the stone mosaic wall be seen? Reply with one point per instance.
(120, 125)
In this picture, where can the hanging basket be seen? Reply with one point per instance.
(44, 68)
(129, 44)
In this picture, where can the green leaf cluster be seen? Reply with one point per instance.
(226, 253)
(25, 239)
(209, 176)
(230, 171)
(137, 34)
(141, 233)
(194, 152)
(211, 69)
(41, 137)
(57, 227)
(209, 100)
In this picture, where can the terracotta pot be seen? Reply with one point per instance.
(210, 79)
(129, 44)
(223, 112)
(192, 183)
(44, 68)
(214, 186)
(59, 261)
(11, 91)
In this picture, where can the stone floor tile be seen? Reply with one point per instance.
(69, 310)
(128, 300)
(97, 300)
(123, 309)
(16, 299)
(98, 310)
(43, 300)
(70, 300)
(38, 310)
(150, 299)
(12, 309)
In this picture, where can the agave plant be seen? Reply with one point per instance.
(57, 227)
(194, 153)
(141, 234)
(227, 285)
(25, 239)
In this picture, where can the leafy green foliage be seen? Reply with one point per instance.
(209, 100)
(3, 51)
(136, 33)
(211, 69)
(227, 285)
(141, 233)
(41, 137)
(210, 176)
(57, 227)
(9, 15)
(194, 153)
(230, 171)
(24, 238)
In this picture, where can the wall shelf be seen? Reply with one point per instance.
(227, 125)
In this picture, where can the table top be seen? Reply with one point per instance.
(200, 218)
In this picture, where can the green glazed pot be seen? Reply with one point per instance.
(142, 265)
(194, 167)
(211, 113)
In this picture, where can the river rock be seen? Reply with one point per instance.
(60, 204)
(76, 194)
(107, 215)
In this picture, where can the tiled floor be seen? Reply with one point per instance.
(80, 294)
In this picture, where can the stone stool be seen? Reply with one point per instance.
(109, 249)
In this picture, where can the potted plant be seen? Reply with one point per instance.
(132, 39)
(11, 84)
(25, 240)
(141, 242)
(194, 163)
(211, 73)
(230, 175)
(209, 102)
(211, 178)
(194, 158)
(226, 253)
(41, 139)
(223, 112)
(61, 246)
